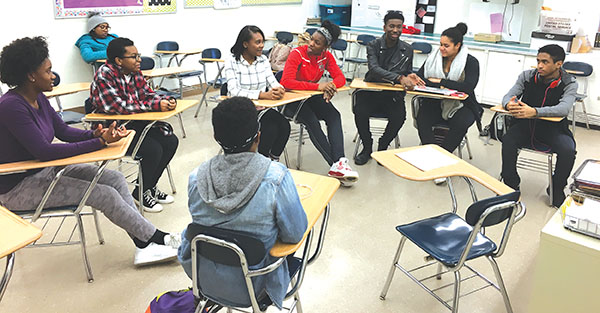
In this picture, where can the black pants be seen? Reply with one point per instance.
(274, 133)
(314, 109)
(430, 114)
(542, 136)
(389, 104)
(156, 152)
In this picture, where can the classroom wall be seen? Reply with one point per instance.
(589, 13)
(191, 28)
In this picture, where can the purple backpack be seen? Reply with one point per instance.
(181, 301)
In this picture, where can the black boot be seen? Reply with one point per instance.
(365, 155)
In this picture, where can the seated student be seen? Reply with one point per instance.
(450, 67)
(389, 60)
(303, 70)
(243, 191)
(120, 88)
(249, 74)
(92, 45)
(545, 91)
(28, 124)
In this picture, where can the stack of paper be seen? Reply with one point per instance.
(439, 91)
(587, 177)
(426, 158)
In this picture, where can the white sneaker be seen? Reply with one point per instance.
(162, 197)
(439, 181)
(154, 253)
(173, 240)
(341, 170)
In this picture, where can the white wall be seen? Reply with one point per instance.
(588, 10)
(191, 28)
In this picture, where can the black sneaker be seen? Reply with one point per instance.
(363, 157)
(162, 197)
(149, 203)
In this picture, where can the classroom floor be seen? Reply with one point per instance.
(359, 245)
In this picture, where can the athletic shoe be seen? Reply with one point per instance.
(154, 253)
(173, 240)
(341, 170)
(149, 203)
(363, 157)
(162, 197)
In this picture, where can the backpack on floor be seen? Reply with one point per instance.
(279, 55)
(181, 301)
(499, 124)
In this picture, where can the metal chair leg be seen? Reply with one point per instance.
(452, 194)
(573, 109)
(10, 263)
(550, 156)
(171, 179)
(355, 137)
(298, 304)
(181, 124)
(501, 284)
(140, 188)
(397, 141)
(356, 146)
(388, 281)
(468, 148)
(439, 271)
(287, 158)
(456, 292)
(86, 261)
(300, 139)
(97, 222)
(587, 120)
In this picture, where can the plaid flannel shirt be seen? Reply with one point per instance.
(248, 80)
(112, 94)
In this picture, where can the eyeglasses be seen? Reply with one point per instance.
(136, 56)
(104, 27)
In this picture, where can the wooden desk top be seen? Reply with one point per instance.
(15, 233)
(186, 52)
(398, 166)
(359, 83)
(212, 60)
(436, 96)
(499, 108)
(113, 151)
(323, 189)
(182, 105)
(66, 89)
(165, 71)
(318, 92)
(288, 97)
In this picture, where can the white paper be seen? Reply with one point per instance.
(426, 158)
(428, 19)
(431, 8)
(420, 27)
(591, 172)
(423, 1)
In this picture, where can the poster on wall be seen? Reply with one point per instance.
(425, 15)
(80, 8)
(211, 3)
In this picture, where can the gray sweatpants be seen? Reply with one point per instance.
(110, 196)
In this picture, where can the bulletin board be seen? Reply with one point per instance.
(425, 15)
(80, 8)
(210, 3)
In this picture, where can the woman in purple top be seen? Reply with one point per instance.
(28, 125)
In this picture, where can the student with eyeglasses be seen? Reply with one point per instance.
(120, 88)
(92, 45)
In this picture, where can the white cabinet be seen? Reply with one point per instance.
(502, 70)
(481, 56)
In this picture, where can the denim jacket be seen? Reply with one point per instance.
(274, 211)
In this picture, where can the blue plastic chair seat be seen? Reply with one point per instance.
(190, 74)
(357, 60)
(445, 237)
(167, 93)
(71, 117)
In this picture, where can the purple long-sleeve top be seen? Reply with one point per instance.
(27, 134)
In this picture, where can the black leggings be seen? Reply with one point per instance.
(430, 114)
(274, 133)
(381, 103)
(314, 109)
(156, 152)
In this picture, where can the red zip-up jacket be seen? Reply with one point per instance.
(303, 71)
